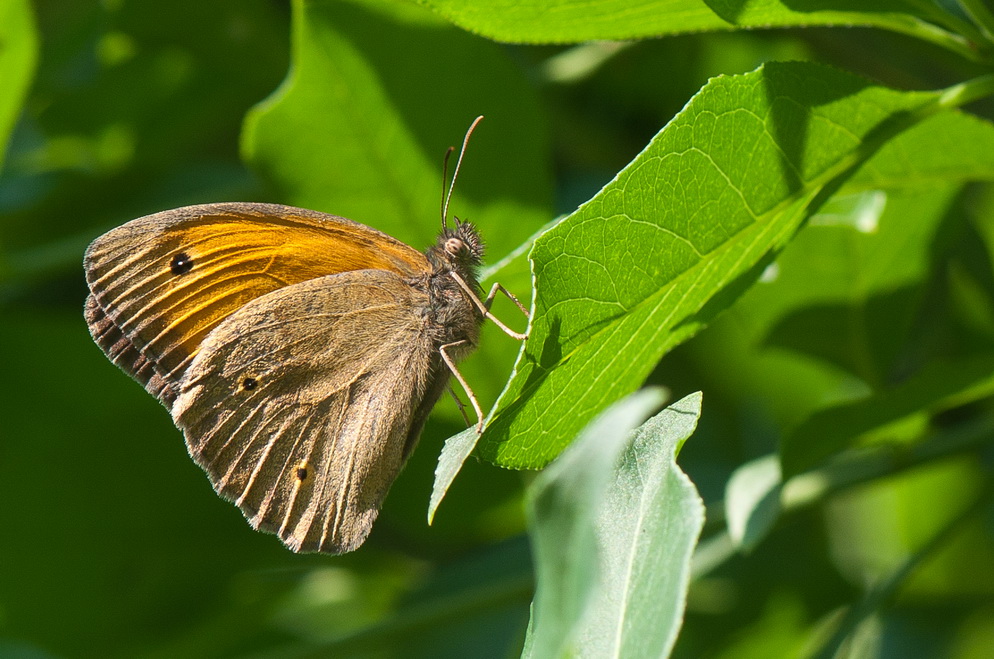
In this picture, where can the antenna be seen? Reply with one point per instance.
(455, 174)
(443, 205)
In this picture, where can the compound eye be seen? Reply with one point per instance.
(455, 246)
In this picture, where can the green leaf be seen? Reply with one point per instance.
(18, 52)
(359, 127)
(920, 157)
(841, 312)
(678, 235)
(939, 386)
(562, 506)
(849, 288)
(847, 310)
(559, 21)
(752, 501)
(630, 519)
(454, 453)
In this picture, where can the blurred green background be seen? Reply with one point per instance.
(113, 543)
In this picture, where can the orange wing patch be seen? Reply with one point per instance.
(168, 279)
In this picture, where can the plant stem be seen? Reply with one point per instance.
(950, 34)
(710, 553)
(977, 42)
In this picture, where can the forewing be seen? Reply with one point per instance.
(120, 350)
(299, 405)
(166, 280)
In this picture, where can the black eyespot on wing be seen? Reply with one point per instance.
(250, 383)
(302, 472)
(181, 263)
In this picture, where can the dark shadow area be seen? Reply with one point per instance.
(864, 340)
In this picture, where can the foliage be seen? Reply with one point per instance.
(796, 221)
(630, 518)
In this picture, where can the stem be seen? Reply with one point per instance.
(952, 23)
(954, 41)
(859, 467)
(710, 553)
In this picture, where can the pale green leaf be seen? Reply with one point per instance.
(630, 519)
(454, 453)
(752, 501)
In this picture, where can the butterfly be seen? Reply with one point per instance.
(299, 352)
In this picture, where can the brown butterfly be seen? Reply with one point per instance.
(300, 353)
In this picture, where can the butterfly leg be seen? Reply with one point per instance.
(485, 307)
(460, 405)
(493, 293)
(443, 350)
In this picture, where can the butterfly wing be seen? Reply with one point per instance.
(161, 283)
(300, 405)
(120, 350)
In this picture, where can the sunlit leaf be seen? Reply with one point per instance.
(532, 21)
(678, 235)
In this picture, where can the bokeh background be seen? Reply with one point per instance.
(112, 542)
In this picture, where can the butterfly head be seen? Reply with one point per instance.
(459, 247)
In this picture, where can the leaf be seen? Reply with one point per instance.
(939, 386)
(18, 53)
(562, 505)
(752, 501)
(359, 127)
(630, 519)
(850, 289)
(850, 286)
(560, 21)
(454, 453)
(920, 157)
(842, 310)
(678, 235)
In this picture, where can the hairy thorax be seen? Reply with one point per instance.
(450, 314)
